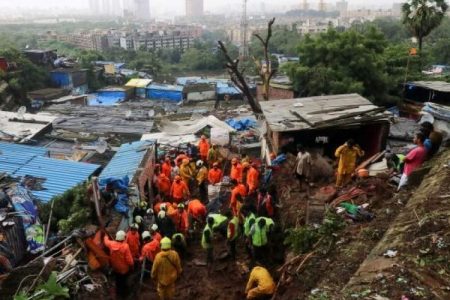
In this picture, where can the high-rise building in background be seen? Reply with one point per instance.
(142, 9)
(342, 8)
(194, 8)
(94, 7)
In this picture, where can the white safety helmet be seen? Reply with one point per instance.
(120, 236)
(162, 214)
(146, 234)
(135, 226)
(149, 211)
(154, 227)
(199, 163)
(138, 219)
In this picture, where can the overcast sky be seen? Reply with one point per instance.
(176, 7)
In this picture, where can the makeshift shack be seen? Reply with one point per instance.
(136, 161)
(74, 80)
(139, 86)
(418, 92)
(41, 56)
(326, 122)
(110, 96)
(165, 92)
(200, 91)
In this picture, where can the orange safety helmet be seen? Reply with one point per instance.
(363, 173)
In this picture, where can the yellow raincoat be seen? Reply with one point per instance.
(347, 158)
(186, 172)
(259, 284)
(165, 271)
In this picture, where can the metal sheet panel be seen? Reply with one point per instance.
(127, 160)
(60, 175)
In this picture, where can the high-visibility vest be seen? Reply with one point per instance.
(259, 237)
(235, 222)
(206, 245)
(269, 222)
(247, 223)
(218, 219)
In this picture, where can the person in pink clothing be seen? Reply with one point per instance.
(414, 159)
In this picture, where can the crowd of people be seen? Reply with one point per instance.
(182, 215)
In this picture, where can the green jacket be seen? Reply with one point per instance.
(205, 244)
(247, 228)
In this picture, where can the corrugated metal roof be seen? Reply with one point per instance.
(6, 148)
(60, 175)
(127, 160)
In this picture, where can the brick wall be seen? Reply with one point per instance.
(275, 93)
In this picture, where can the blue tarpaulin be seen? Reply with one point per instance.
(165, 92)
(242, 124)
(107, 98)
(120, 185)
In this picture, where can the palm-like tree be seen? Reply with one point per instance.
(422, 16)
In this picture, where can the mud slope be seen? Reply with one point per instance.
(421, 236)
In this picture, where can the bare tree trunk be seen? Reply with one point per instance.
(238, 79)
(268, 72)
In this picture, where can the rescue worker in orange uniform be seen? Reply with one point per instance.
(179, 190)
(166, 270)
(180, 219)
(196, 213)
(252, 179)
(151, 247)
(236, 170)
(215, 174)
(238, 189)
(133, 240)
(166, 168)
(164, 185)
(121, 261)
(180, 157)
(154, 232)
(203, 148)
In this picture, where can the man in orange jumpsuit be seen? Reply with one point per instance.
(215, 174)
(133, 240)
(252, 179)
(166, 168)
(238, 189)
(203, 148)
(149, 250)
(179, 190)
(164, 186)
(180, 219)
(121, 261)
(236, 170)
(196, 213)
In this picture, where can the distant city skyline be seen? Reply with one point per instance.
(172, 8)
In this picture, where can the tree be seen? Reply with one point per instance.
(423, 16)
(342, 62)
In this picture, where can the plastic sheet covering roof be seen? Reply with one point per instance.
(127, 160)
(104, 100)
(59, 175)
(172, 140)
(194, 126)
(139, 83)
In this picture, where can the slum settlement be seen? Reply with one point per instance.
(180, 191)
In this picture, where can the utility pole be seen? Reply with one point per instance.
(243, 50)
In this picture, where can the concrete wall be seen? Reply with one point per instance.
(275, 93)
